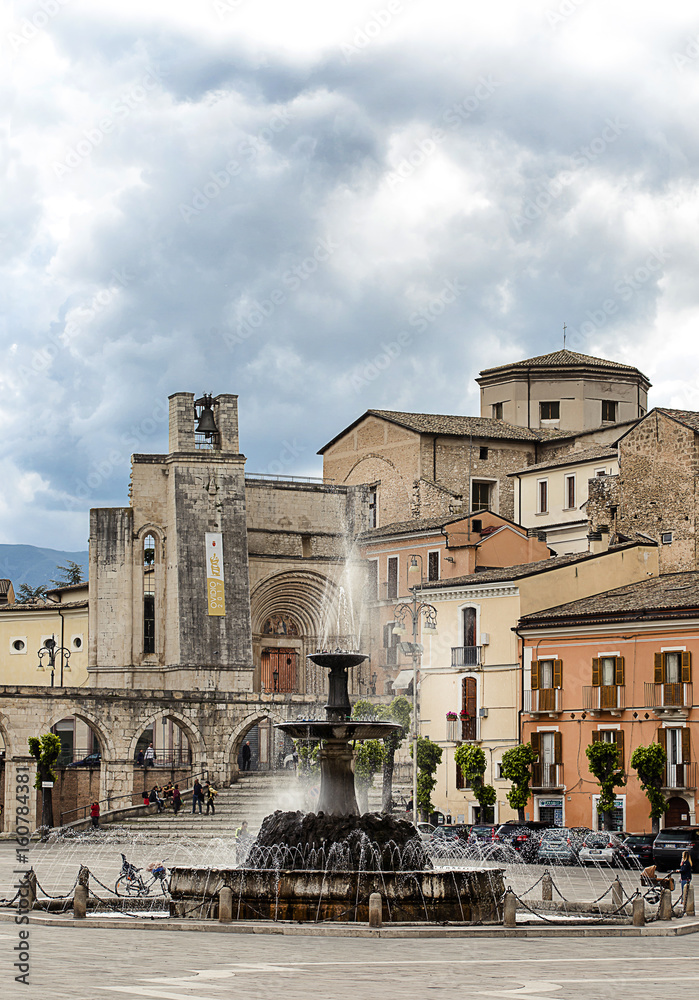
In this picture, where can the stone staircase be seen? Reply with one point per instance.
(254, 796)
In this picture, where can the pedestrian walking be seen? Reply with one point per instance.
(686, 869)
(176, 799)
(149, 759)
(247, 754)
(95, 815)
(197, 796)
(211, 794)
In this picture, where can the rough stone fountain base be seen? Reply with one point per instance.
(470, 896)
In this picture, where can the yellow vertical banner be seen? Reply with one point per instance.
(214, 573)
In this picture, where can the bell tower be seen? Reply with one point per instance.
(170, 600)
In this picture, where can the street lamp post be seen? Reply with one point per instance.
(50, 649)
(412, 611)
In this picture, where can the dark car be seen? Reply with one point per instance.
(640, 848)
(457, 832)
(522, 837)
(92, 760)
(671, 842)
(482, 833)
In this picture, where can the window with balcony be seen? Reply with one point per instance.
(681, 771)
(546, 685)
(672, 681)
(469, 653)
(607, 690)
(547, 772)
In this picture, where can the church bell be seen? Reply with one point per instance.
(206, 424)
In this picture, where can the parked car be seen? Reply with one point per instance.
(640, 848)
(445, 834)
(603, 849)
(522, 837)
(426, 831)
(561, 844)
(671, 842)
(482, 834)
(92, 760)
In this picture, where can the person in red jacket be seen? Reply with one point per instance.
(95, 814)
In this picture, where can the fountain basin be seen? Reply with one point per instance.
(315, 896)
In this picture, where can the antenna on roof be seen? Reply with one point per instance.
(564, 335)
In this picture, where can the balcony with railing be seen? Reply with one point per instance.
(543, 701)
(466, 656)
(462, 730)
(668, 699)
(604, 698)
(680, 776)
(547, 776)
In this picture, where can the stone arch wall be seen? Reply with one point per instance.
(196, 740)
(96, 724)
(231, 749)
(299, 593)
(394, 489)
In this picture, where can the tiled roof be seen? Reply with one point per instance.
(657, 597)
(439, 423)
(571, 458)
(522, 570)
(41, 606)
(688, 417)
(5, 586)
(418, 524)
(564, 359)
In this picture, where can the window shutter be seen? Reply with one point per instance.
(659, 673)
(619, 737)
(596, 736)
(662, 738)
(535, 740)
(686, 667)
(535, 675)
(595, 671)
(558, 673)
(557, 749)
(686, 746)
(619, 671)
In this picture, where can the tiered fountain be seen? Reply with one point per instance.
(324, 865)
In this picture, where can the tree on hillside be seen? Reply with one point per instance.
(72, 574)
(604, 763)
(649, 764)
(29, 595)
(516, 767)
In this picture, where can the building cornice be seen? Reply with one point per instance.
(471, 593)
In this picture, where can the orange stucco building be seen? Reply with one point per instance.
(615, 667)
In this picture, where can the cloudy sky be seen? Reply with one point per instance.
(324, 207)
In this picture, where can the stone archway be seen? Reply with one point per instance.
(236, 739)
(678, 812)
(192, 732)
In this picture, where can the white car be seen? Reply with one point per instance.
(603, 849)
(426, 831)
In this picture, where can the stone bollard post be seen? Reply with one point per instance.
(225, 905)
(638, 909)
(547, 887)
(617, 893)
(665, 908)
(375, 910)
(80, 902)
(509, 909)
(29, 885)
(689, 902)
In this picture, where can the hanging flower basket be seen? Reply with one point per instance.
(451, 716)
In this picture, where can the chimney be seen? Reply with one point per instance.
(598, 541)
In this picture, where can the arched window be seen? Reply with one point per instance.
(148, 595)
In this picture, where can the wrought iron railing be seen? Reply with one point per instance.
(604, 697)
(543, 700)
(547, 775)
(681, 775)
(674, 695)
(465, 656)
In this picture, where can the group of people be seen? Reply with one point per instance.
(146, 759)
(162, 796)
(204, 793)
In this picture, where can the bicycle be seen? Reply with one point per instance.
(130, 882)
